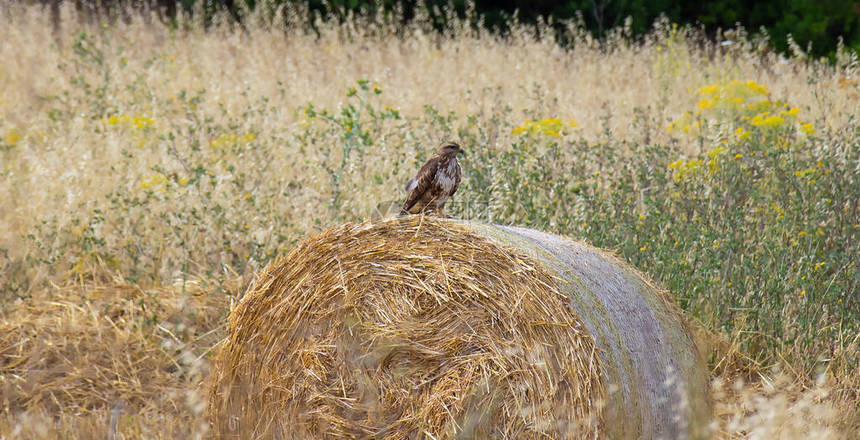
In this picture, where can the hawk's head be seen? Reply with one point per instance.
(449, 149)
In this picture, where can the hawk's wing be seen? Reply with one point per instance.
(421, 183)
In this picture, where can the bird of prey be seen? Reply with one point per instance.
(436, 181)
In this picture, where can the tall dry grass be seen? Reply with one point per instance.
(138, 156)
(57, 86)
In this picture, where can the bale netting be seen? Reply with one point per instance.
(428, 328)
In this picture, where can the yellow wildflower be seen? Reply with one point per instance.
(774, 121)
(139, 122)
(767, 120)
(550, 126)
(805, 172)
(716, 152)
(143, 121)
(688, 128)
(520, 129)
(13, 136)
(708, 90)
(757, 88)
(757, 120)
(156, 180)
(705, 104)
(684, 168)
(230, 139)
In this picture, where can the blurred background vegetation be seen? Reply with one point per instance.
(151, 164)
(816, 26)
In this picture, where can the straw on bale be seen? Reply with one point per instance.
(407, 328)
(656, 376)
(430, 328)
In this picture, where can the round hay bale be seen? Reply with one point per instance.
(427, 328)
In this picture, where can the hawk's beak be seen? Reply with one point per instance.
(462, 152)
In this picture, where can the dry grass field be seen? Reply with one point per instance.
(147, 172)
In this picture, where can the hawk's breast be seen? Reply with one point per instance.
(447, 176)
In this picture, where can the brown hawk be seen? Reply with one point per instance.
(436, 181)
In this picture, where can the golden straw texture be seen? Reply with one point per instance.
(408, 327)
